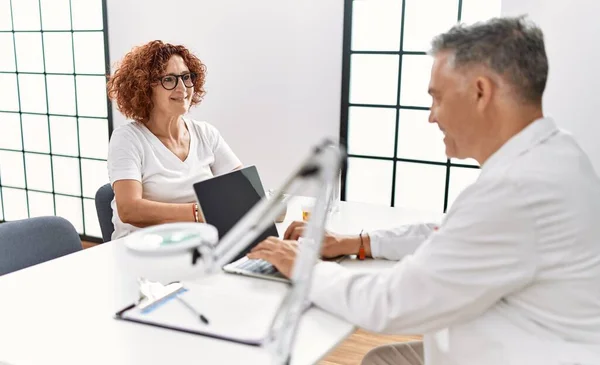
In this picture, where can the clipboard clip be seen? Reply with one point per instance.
(152, 293)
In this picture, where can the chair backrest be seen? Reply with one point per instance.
(104, 197)
(29, 242)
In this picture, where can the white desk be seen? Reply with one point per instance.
(61, 312)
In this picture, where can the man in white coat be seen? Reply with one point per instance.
(512, 275)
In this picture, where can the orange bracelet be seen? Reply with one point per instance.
(361, 249)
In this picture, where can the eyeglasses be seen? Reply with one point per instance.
(169, 82)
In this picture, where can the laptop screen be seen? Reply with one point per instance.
(225, 199)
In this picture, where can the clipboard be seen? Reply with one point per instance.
(241, 317)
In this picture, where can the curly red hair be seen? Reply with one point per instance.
(131, 84)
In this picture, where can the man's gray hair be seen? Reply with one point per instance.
(510, 46)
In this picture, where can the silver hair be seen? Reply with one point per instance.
(512, 47)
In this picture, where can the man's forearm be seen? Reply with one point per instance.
(394, 244)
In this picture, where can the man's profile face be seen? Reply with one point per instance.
(453, 106)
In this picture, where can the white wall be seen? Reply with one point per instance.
(572, 34)
(274, 69)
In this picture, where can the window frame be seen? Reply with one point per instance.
(77, 116)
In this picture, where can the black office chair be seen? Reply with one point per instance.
(29, 242)
(104, 197)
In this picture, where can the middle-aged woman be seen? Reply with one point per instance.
(154, 160)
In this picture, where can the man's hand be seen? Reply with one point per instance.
(280, 253)
(333, 245)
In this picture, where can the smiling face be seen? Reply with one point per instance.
(175, 102)
(454, 108)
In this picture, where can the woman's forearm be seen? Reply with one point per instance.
(144, 213)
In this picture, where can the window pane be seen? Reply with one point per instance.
(460, 178)
(15, 204)
(70, 209)
(416, 72)
(11, 131)
(421, 23)
(369, 181)
(63, 131)
(95, 174)
(87, 14)
(5, 14)
(418, 139)
(376, 25)
(93, 137)
(9, 100)
(371, 131)
(29, 52)
(26, 14)
(91, 96)
(92, 226)
(33, 93)
(35, 133)
(477, 10)
(89, 52)
(420, 186)
(56, 14)
(66, 175)
(61, 94)
(40, 204)
(39, 172)
(373, 79)
(7, 61)
(12, 172)
(58, 52)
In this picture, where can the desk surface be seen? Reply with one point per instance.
(61, 312)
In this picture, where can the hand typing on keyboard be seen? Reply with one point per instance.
(258, 266)
(280, 253)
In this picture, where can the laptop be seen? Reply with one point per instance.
(224, 200)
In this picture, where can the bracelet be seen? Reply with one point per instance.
(195, 207)
(361, 249)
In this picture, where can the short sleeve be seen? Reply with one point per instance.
(225, 159)
(124, 156)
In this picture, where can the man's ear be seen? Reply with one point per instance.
(484, 88)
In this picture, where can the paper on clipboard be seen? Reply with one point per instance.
(243, 316)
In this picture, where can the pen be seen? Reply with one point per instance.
(196, 313)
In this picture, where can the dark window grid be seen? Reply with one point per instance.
(59, 115)
(109, 110)
(403, 107)
(54, 154)
(48, 73)
(80, 196)
(54, 30)
(47, 119)
(77, 112)
(398, 106)
(83, 198)
(412, 160)
(345, 104)
(2, 200)
(401, 53)
(12, 25)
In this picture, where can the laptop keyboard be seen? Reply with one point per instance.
(259, 267)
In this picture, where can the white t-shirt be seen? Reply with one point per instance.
(135, 153)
